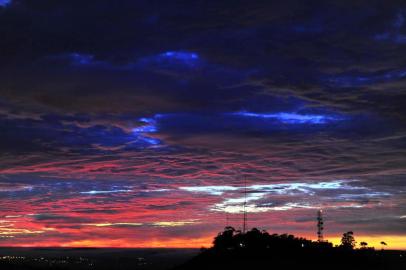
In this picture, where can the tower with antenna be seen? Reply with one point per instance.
(320, 226)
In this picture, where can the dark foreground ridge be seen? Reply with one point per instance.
(260, 250)
(93, 258)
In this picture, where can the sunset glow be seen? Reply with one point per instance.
(157, 124)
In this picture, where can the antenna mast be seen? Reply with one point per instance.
(244, 225)
(320, 226)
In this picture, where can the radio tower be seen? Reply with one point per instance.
(320, 226)
(244, 224)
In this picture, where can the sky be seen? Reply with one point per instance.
(139, 123)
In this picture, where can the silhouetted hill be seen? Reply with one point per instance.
(260, 250)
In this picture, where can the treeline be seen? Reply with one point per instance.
(231, 239)
(256, 249)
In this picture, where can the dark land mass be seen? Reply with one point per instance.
(260, 250)
(231, 250)
(93, 258)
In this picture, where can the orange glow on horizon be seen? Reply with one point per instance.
(119, 243)
(395, 242)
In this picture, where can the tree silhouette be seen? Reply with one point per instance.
(383, 244)
(225, 239)
(255, 240)
(348, 240)
(363, 245)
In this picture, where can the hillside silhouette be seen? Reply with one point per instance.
(257, 249)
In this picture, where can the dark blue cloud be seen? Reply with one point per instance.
(4, 3)
(394, 34)
(173, 59)
(53, 132)
(355, 80)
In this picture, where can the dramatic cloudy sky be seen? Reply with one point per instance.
(136, 123)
